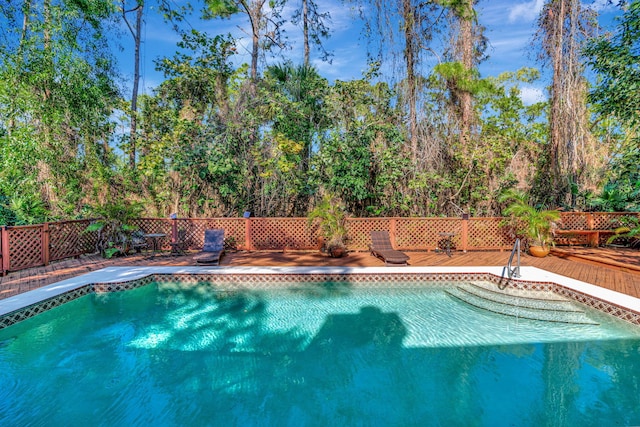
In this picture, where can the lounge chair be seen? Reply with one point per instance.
(213, 248)
(381, 248)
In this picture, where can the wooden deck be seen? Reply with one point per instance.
(616, 269)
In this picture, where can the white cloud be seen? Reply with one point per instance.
(525, 11)
(531, 95)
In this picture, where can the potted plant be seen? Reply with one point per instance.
(629, 229)
(333, 224)
(113, 227)
(534, 224)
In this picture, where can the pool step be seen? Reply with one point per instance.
(533, 305)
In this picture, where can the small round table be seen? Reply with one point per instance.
(447, 242)
(154, 240)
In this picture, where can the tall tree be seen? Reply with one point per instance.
(404, 31)
(461, 78)
(264, 21)
(468, 48)
(564, 26)
(135, 28)
(57, 94)
(314, 28)
(615, 95)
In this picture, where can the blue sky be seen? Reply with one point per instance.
(509, 28)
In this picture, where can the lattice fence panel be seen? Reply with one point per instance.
(411, 233)
(194, 230)
(433, 238)
(609, 220)
(68, 239)
(155, 226)
(88, 240)
(359, 231)
(278, 233)
(25, 247)
(488, 233)
(573, 221)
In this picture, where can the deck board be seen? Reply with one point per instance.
(623, 276)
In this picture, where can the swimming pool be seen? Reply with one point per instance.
(316, 352)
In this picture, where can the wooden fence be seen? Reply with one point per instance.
(36, 245)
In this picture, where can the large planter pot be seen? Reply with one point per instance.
(337, 251)
(539, 251)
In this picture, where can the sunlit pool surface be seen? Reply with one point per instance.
(170, 354)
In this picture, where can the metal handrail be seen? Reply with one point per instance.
(514, 272)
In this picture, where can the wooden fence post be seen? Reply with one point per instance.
(392, 232)
(464, 233)
(45, 244)
(590, 221)
(4, 247)
(248, 238)
(174, 229)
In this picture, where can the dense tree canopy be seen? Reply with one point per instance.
(217, 138)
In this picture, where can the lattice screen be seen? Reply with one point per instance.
(359, 231)
(25, 247)
(156, 226)
(608, 220)
(573, 221)
(68, 239)
(424, 233)
(278, 233)
(194, 230)
(488, 233)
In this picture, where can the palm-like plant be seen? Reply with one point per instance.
(333, 222)
(114, 226)
(629, 230)
(533, 223)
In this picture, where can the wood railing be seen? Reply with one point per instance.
(36, 245)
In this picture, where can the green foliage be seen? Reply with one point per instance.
(617, 196)
(456, 74)
(630, 229)
(114, 226)
(56, 97)
(332, 218)
(535, 224)
(461, 8)
(616, 62)
(214, 142)
(221, 8)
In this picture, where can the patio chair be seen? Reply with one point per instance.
(138, 241)
(180, 245)
(213, 248)
(381, 247)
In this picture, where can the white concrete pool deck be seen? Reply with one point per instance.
(123, 274)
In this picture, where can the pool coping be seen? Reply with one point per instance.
(111, 279)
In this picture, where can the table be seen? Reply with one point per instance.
(154, 240)
(447, 240)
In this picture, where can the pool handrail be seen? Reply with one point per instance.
(513, 271)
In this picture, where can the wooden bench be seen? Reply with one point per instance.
(592, 237)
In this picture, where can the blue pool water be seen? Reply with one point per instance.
(331, 355)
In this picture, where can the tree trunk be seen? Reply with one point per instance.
(555, 117)
(410, 59)
(305, 30)
(136, 82)
(465, 43)
(26, 10)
